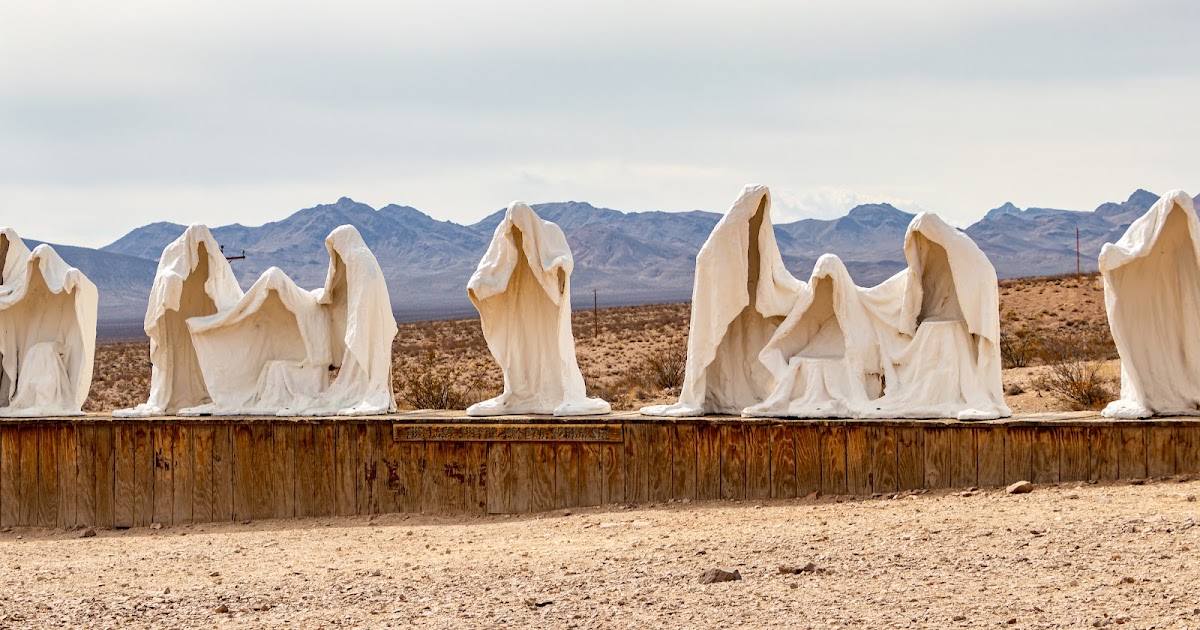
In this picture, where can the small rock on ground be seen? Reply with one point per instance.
(1020, 487)
(718, 575)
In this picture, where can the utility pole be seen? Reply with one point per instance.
(233, 258)
(595, 314)
(1077, 265)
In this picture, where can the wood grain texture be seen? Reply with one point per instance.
(683, 461)
(910, 458)
(810, 463)
(202, 474)
(637, 465)
(884, 460)
(1018, 455)
(566, 475)
(143, 475)
(1131, 459)
(181, 457)
(388, 481)
(733, 462)
(1045, 456)
(612, 475)
(31, 495)
(1187, 450)
(833, 460)
(243, 473)
(283, 467)
(501, 478)
(783, 462)
(591, 474)
(1103, 454)
(989, 449)
(47, 439)
(521, 461)
(10, 476)
(306, 472)
(85, 474)
(1073, 454)
(222, 473)
(708, 462)
(542, 495)
(858, 461)
(325, 471)
(125, 480)
(1160, 451)
(658, 473)
(368, 470)
(262, 491)
(345, 463)
(758, 461)
(939, 457)
(964, 471)
(68, 481)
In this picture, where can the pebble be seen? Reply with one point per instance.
(222, 609)
(807, 568)
(719, 575)
(88, 533)
(1020, 487)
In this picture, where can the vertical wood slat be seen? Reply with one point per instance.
(521, 462)
(1160, 451)
(542, 469)
(683, 461)
(939, 457)
(1131, 457)
(345, 465)
(1103, 450)
(143, 475)
(388, 480)
(758, 461)
(283, 468)
(910, 458)
(455, 478)
(964, 471)
(502, 478)
(125, 481)
(1045, 456)
(164, 485)
(1073, 454)
(783, 462)
(809, 460)
(68, 481)
(708, 461)
(202, 474)
(223, 473)
(833, 460)
(637, 468)
(47, 439)
(858, 461)
(31, 496)
(733, 462)
(884, 459)
(242, 441)
(590, 472)
(367, 502)
(990, 452)
(326, 472)
(1018, 455)
(182, 486)
(106, 468)
(10, 476)
(85, 474)
(305, 450)
(566, 475)
(659, 462)
(1187, 450)
(612, 472)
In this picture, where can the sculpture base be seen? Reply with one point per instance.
(105, 472)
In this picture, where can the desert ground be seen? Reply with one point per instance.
(1069, 556)
(634, 356)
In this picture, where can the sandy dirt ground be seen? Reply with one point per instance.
(1066, 556)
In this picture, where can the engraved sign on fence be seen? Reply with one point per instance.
(506, 433)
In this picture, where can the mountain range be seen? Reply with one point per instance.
(629, 258)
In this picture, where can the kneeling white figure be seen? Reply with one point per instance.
(522, 290)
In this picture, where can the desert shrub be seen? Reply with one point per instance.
(1073, 377)
(429, 384)
(664, 370)
(1018, 348)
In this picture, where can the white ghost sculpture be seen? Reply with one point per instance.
(193, 280)
(742, 292)
(1151, 290)
(47, 331)
(939, 327)
(825, 356)
(522, 290)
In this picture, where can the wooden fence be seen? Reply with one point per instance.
(129, 473)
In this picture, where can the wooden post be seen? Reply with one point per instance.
(1077, 265)
(595, 313)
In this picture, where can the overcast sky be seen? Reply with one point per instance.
(116, 114)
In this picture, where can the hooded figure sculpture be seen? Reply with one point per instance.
(193, 280)
(741, 294)
(1151, 288)
(825, 356)
(522, 290)
(939, 327)
(359, 313)
(47, 331)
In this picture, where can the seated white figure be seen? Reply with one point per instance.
(522, 290)
(742, 292)
(358, 309)
(264, 352)
(47, 331)
(939, 327)
(193, 280)
(825, 355)
(1151, 289)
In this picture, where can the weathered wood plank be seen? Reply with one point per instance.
(1018, 454)
(733, 462)
(939, 457)
(410, 472)
(884, 459)
(10, 476)
(306, 473)
(910, 458)
(1187, 450)
(612, 484)
(437, 495)
(566, 475)
(143, 475)
(106, 470)
(783, 462)
(833, 460)
(244, 492)
(637, 464)
(1073, 454)
(1103, 454)
(683, 461)
(183, 487)
(858, 461)
(283, 467)
(989, 450)
(758, 462)
(68, 481)
(522, 464)
(964, 472)
(810, 463)
(708, 462)
(1160, 451)
(1131, 459)
(501, 478)
(346, 465)
(31, 496)
(47, 439)
(223, 473)
(202, 474)
(388, 480)
(262, 494)
(658, 451)
(325, 471)
(1045, 456)
(368, 469)
(125, 480)
(477, 477)
(591, 473)
(542, 496)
